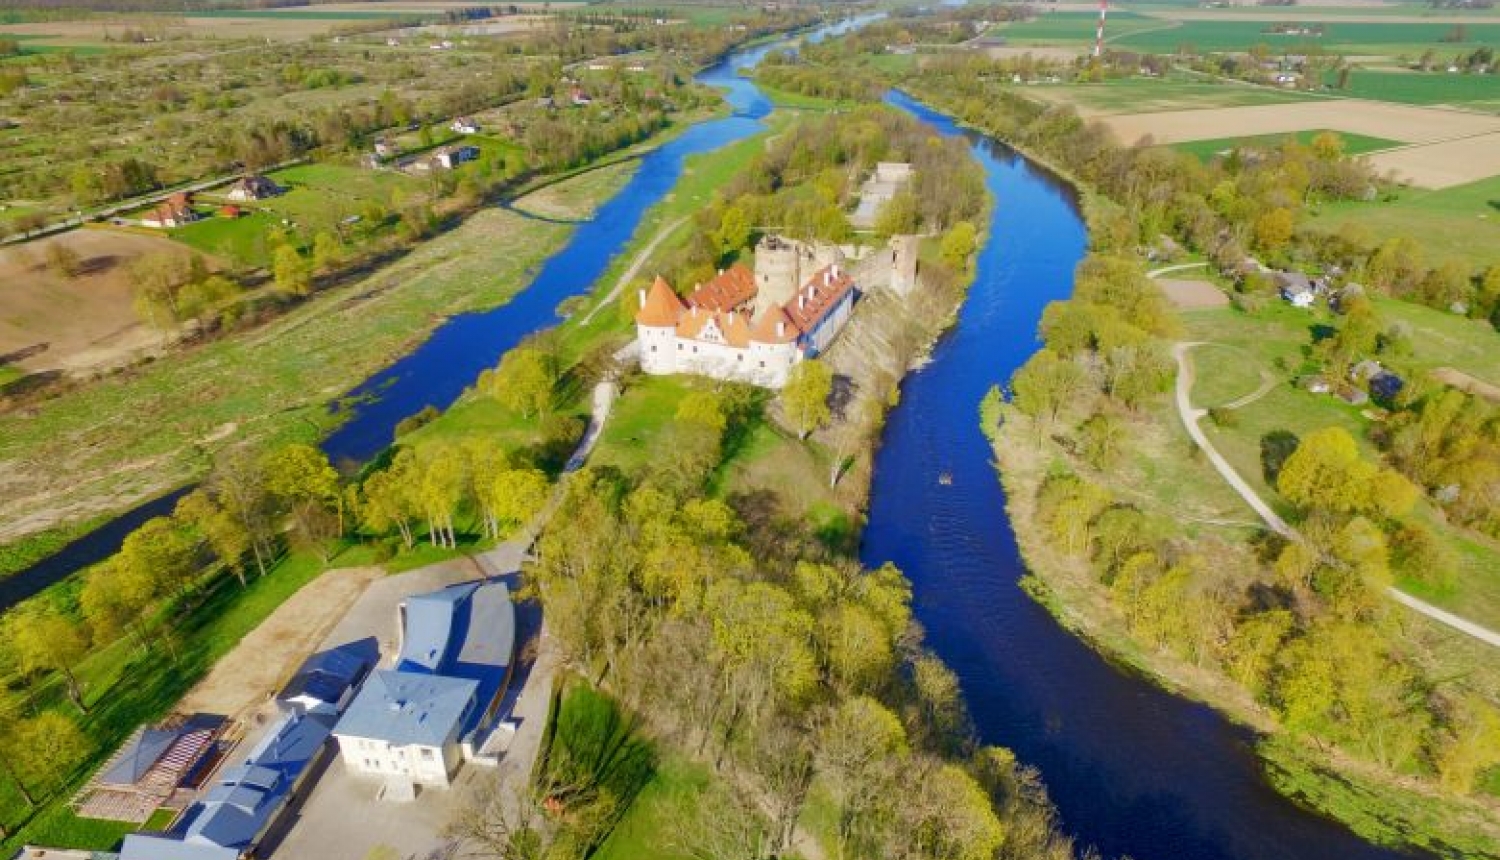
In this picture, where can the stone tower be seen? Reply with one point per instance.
(778, 272)
(904, 264)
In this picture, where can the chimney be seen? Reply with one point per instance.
(781, 328)
(642, 294)
(801, 301)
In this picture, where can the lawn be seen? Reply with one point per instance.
(1462, 222)
(1479, 92)
(638, 419)
(1338, 38)
(1067, 28)
(652, 826)
(1354, 144)
(240, 241)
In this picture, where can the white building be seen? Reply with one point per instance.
(742, 326)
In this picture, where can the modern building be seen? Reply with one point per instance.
(150, 767)
(246, 802)
(328, 680)
(415, 724)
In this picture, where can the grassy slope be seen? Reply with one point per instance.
(1462, 222)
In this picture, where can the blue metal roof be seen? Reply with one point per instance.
(405, 708)
(138, 756)
(434, 624)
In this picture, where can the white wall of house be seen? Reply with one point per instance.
(422, 765)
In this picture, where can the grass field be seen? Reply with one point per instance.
(1462, 222)
(1354, 144)
(1478, 92)
(1149, 95)
(1273, 340)
(650, 828)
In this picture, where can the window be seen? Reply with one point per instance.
(762, 364)
(653, 347)
(427, 753)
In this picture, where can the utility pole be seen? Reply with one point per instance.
(1099, 34)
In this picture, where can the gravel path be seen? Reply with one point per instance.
(1190, 418)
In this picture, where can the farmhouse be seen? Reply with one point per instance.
(414, 725)
(175, 211)
(446, 158)
(465, 125)
(255, 187)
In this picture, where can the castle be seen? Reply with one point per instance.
(756, 326)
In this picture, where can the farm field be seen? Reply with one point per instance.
(1444, 164)
(1147, 95)
(1354, 144)
(62, 463)
(80, 322)
(1462, 222)
(1475, 92)
(1405, 123)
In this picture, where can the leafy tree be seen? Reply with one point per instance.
(44, 640)
(524, 381)
(386, 501)
(1470, 745)
(62, 259)
(300, 477)
(225, 534)
(859, 754)
(733, 233)
(899, 216)
(290, 272)
(1327, 473)
(1046, 383)
(1273, 229)
(805, 396)
(517, 497)
(959, 244)
(327, 252)
(42, 750)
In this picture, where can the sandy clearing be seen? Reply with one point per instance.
(1445, 164)
(1010, 52)
(1473, 385)
(1407, 123)
(246, 677)
(84, 322)
(1190, 295)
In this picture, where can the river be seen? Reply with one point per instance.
(1132, 769)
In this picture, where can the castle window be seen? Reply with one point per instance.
(740, 356)
(762, 364)
(679, 347)
(653, 347)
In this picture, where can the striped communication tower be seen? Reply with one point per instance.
(1099, 34)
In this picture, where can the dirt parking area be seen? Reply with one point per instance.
(247, 677)
(49, 321)
(1445, 164)
(1407, 123)
(1192, 295)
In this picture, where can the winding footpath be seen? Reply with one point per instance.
(1190, 417)
(635, 268)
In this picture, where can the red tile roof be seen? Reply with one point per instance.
(734, 326)
(662, 307)
(766, 330)
(818, 296)
(727, 291)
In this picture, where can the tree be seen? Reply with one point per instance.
(1101, 437)
(1046, 383)
(290, 272)
(42, 750)
(386, 501)
(805, 396)
(238, 483)
(225, 534)
(524, 381)
(156, 557)
(1326, 472)
(300, 477)
(327, 252)
(516, 497)
(439, 490)
(859, 754)
(62, 259)
(958, 244)
(733, 232)
(1470, 745)
(899, 216)
(44, 640)
(1328, 145)
(1273, 229)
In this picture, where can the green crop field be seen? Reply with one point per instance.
(313, 13)
(1164, 35)
(1480, 92)
(1462, 222)
(1354, 144)
(1142, 95)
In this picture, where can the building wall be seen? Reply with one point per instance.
(820, 338)
(422, 765)
(903, 256)
(658, 348)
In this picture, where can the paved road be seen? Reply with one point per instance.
(1190, 418)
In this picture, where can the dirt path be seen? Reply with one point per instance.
(635, 268)
(1272, 520)
(1267, 382)
(247, 676)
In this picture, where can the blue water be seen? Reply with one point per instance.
(1132, 769)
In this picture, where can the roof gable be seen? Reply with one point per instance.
(729, 290)
(662, 306)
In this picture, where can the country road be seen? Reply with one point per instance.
(635, 268)
(1272, 520)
